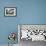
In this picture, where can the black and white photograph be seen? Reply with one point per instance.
(10, 11)
(29, 34)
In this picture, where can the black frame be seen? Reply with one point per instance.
(10, 7)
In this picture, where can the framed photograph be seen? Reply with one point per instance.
(33, 32)
(10, 11)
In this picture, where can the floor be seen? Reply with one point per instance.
(30, 43)
(7, 45)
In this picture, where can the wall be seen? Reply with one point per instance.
(28, 12)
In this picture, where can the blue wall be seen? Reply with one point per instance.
(28, 12)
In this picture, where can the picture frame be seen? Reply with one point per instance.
(39, 28)
(10, 11)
